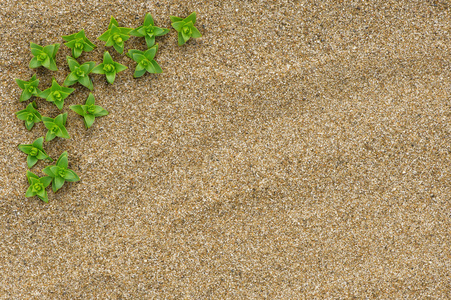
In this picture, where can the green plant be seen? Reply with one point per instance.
(115, 36)
(149, 31)
(145, 61)
(44, 56)
(35, 152)
(30, 115)
(185, 28)
(109, 67)
(78, 42)
(79, 73)
(56, 127)
(37, 186)
(30, 88)
(89, 111)
(56, 94)
(60, 173)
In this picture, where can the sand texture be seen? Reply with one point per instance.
(298, 150)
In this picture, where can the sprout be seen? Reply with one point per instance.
(37, 186)
(56, 94)
(44, 56)
(30, 115)
(60, 173)
(89, 111)
(56, 127)
(115, 36)
(35, 152)
(145, 61)
(149, 31)
(185, 28)
(109, 67)
(29, 88)
(78, 42)
(79, 73)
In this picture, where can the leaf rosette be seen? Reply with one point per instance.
(145, 60)
(29, 88)
(115, 36)
(37, 186)
(89, 111)
(56, 127)
(30, 115)
(56, 94)
(44, 56)
(109, 67)
(60, 172)
(185, 28)
(35, 152)
(78, 42)
(79, 73)
(149, 31)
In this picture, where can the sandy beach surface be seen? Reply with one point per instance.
(298, 150)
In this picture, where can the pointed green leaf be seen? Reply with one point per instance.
(77, 109)
(156, 67)
(49, 136)
(107, 59)
(41, 155)
(29, 192)
(181, 41)
(72, 63)
(64, 133)
(110, 77)
(34, 63)
(52, 66)
(31, 161)
(150, 41)
(62, 161)
(49, 50)
(86, 81)
(21, 83)
(57, 183)
(148, 20)
(195, 33)
(119, 47)
(112, 22)
(178, 25)
(46, 180)
(38, 143)
(25, 148)
(48, 170)
(98, 69)
(175, 19)
(89, 120)
(99, 111)
(119, 67)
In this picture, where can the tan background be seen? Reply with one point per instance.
(299, 149)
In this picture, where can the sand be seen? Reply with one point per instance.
(298, 150)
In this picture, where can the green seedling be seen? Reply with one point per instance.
(30, 115)
(56, 127)
(44, 56)
(115, 36)
(79, 73)
(60, 173)
(149, 31)
(145, 61)
(78, 42)
(89, 111)
(56, 94)
(35, 152)
(109, 67)
(37, 186)
(185, 28)
(30, 88)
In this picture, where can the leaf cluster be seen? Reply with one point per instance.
(145, 60)
(29, 88)
(37, 186)
(115, 36)
(35, 152)
(78, 42)
(89, 111)
(44, 56)
(56, 127)
(56, 94)
(185, 28)
(149, 30)
(79, 73)
(60, 172)
(109, 67)
(30, 115)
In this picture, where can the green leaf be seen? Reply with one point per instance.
(88, 47)
(29, 192)
(48, 170)
(195, 33)
(71, 176)
(30, 176)
(99, 111)
(46, 62)
(185, 36)
(77, 109)
(109, 42)
(175, 19)
(57, 183)
(49, 136)
(139, 73)
(87, 67)
(107, 59)
(25, 148)
(132, 52)
(55, 49)
(38, 143)
(71, 79)
(59, 104)
(150, 53)
(105, 36)
(59, 120)
(72, 63)
(69, 37)
(64, 133)
(41, 155)
(148, 20)
(119, 48)
(53, 66)
(77, 52)
(90, 100)
(136, 32)
(119, 67)
(21, 83)
(31, 161)
(164, 31)
(89, 120)
(49, 50)
(150, 41)
(34, 63)
(112, 22)
(22, 115)
(110, 77)
(25, 96)
(191, 17)
(98, 69)
(156, 67)
(178, 25)
(181, 41)
(46, 180)
(86, 81)
(62, 161)
(29, 125)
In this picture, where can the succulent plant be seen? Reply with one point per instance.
(89, 111)
(109, 67)
(37, 186)
(79, 73)
(44, 56)
(29, 88)
(149, 30)
(35, 152)
(78, 42)
(56, 94)
(185, 28)
(30, 115)
(60, 173)
(115, 36)
(145, 60)
(56, 127)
